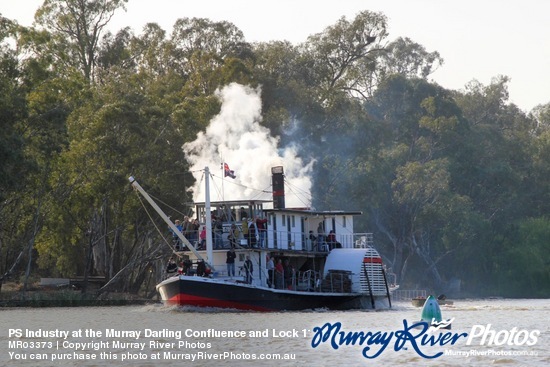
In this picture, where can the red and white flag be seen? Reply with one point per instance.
(227, 171)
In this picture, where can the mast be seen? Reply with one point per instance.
(175, 229)
(208, 214)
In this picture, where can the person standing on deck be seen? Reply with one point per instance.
(202, 239)
(270, 265)
(230, 261)
(242, 213)
(312, 240)
(176, 240)
(172, 267)
(194, 230)
(233, 236)
(320, 236)
(218, 232)
(186, 226)
(252, 233)
(244, 229)
(279, 275)
(249, 270)
(261, 224)
(331, 240)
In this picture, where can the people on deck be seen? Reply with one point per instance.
(261, 224)
(185, 267)
(185, 226)
(201, 269)
(252, 233)
(218, 232)
(320, 236)
(230, 261)
(234, 235)
(242, 213)
(279, 275)
(194, 231)
(288, 272)
(244, 229)
(249, 270)
(172, 267)
(270, 265)
(331, 240)
(202, 239)
(175, 239)
(313, 240)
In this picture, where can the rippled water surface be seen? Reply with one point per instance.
(519, 330)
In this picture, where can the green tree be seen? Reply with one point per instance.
(209, 54)
(523, 264)
(12, 110)
(344, 55)
(406, 57)
(542, 116)
(14, 163)
(405, 178)
(75, 28)
(495, 162)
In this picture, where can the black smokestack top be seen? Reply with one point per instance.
(278, 183)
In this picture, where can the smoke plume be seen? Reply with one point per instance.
(235, 137)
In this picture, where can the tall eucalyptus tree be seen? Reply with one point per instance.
(75, 28)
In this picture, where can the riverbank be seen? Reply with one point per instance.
(11, 296)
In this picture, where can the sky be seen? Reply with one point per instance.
(478, 39)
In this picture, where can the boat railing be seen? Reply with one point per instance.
(337, 281)
(282, 240)
(287, 240)
(301, 241)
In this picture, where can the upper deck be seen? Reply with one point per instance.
(294, 229)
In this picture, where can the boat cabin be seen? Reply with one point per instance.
(293, 229)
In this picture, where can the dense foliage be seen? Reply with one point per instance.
(454, 184)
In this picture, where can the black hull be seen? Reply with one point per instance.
(204, 292)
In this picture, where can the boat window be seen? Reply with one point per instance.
(344, 221)
(284, 220)
(293, 222)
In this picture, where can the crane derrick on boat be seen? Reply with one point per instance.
(166, 219)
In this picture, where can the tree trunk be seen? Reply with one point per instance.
(31, 242)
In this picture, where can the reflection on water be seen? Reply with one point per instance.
(279, 333)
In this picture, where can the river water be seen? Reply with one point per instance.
(498, 332)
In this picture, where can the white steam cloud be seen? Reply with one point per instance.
(235, 137)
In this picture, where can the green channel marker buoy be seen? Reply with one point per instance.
(431, 311)
(431, 314)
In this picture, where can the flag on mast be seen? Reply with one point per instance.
(228, 172)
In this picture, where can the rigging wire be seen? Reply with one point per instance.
(220, 195)
(169, 206)
(241, 185)
(189, 209)
(257, 197)
(300, 194)
(303, 192)
(155, 225)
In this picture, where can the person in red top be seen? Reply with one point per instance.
(279, 274)
(202, 238)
